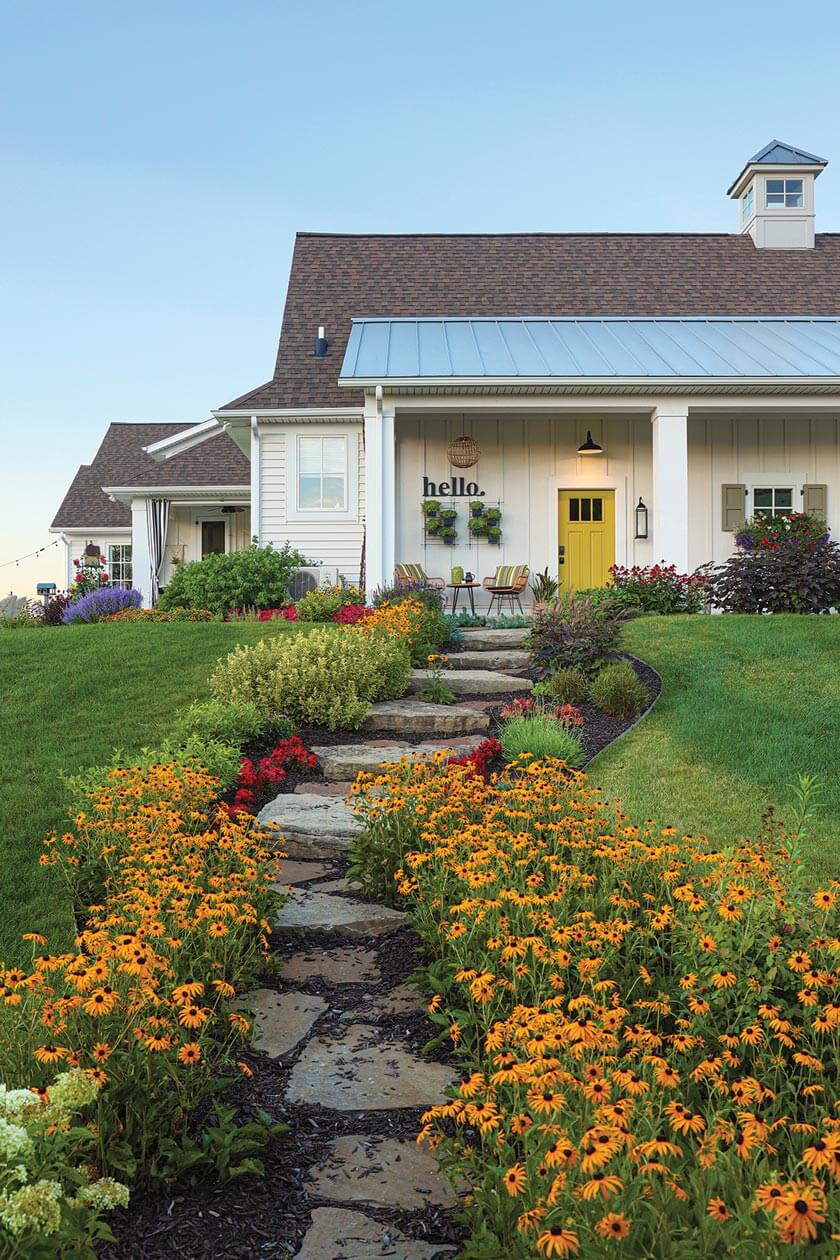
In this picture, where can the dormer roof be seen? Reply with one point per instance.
(777, 154)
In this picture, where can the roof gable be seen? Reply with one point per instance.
(121, 460)
(777, 153)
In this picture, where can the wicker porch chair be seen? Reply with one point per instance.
(507, 583)
(415, 575)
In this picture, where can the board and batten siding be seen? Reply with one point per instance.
(327, 542)
(750, 450)
(525, 459)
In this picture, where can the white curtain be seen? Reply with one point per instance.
(157, 520)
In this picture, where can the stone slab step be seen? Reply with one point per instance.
(344, 761)
(281, 1020)
(472, 682)
(420, 718)
(346, 964)
(380, 1171)
(322, 912)
(490, 658)
(292, 872)
(488, 640)
(338, 1234)
(311, 826)
(337, 787)
(362, 1070)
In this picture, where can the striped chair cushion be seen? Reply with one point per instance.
(410, 573)
(506, 575)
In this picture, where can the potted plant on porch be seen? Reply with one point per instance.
(545, 590)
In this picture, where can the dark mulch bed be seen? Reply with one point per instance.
(269, 1215)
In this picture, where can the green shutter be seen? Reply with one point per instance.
(733, 498)
(815, 501)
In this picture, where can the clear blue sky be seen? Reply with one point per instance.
(157, 159)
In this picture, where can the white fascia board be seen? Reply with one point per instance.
(89, 529)
(293, 413)
(183, 441)
(490, 385)
(126, 493)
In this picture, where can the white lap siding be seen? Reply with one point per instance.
(749, 450)
(324, 541)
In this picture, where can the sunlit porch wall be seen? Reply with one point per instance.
(183, 535)
(525, 458)
(787, 449)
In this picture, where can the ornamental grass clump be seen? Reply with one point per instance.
(617, 689)
(533, 736)
(648, 1022)
(141, 1002)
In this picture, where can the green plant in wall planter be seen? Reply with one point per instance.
(448, 515)
(476, 508)
(477, 525)
(433, 524)
(448, 534)
(494, 534)
(492, 515)
(430, 507)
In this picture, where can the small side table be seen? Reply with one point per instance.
(457, 587)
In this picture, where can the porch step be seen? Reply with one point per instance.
(488, 658)
(310, 826)
(419, 718)
(486, 640)
(472, 682)
(345, 761)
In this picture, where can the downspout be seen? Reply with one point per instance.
(256, 476)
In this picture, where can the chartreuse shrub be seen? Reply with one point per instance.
(258, 577)
(617, 689)
(51, 1201)
(174, 898)
(647, 1022)
(234, 722)
(326, 678)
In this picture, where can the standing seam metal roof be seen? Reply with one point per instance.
(382, 349)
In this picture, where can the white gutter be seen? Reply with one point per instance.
(183, 441)
(647, 383)
(290, 413)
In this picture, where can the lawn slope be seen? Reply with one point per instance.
(747, 704)
(68, 697)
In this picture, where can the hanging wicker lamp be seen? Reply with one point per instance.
(463, 452)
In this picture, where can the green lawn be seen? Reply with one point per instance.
(69, 697)
(747, 704)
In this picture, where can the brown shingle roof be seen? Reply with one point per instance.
(121, 461)
(336, 278)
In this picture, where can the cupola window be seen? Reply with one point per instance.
(784, 192)
(748, 204)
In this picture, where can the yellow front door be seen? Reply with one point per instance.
(586, 538)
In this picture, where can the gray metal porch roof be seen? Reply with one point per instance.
(422, 349)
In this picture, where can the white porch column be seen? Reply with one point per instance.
(380, 494)
(141, 564)
(670, 484)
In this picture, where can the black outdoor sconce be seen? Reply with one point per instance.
(641, 519)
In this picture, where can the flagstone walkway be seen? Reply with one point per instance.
(342, 1032)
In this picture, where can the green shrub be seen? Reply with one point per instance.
(319, 605)
(258, 577)
(618, 690)
(568, 685)
(233, 722)
(540, 736)
(327, 678)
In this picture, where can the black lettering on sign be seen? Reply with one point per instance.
(458, 488)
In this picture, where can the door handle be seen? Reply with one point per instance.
(561, 555)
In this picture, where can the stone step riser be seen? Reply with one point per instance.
(472, 682)
(494, 639)
(488, 658)
(345, 761)
(417, 718)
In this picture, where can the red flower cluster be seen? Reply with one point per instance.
(256, 780)
(566, 714)
(349, 614)
(479, 759)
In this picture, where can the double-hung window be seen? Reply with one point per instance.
(119, 564)
(322, 474)
(784, 192)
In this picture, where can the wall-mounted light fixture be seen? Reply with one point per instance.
(641, 515)
(589, 447)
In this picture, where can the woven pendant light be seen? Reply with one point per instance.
(463, 452)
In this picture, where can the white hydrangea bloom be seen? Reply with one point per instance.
(73, 1090)
(15, 1143)
(15, 1103)
(32, 1208)
(105, 1194)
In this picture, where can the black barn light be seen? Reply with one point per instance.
(641, 519)
(589, 447)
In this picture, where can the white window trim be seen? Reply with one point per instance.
(784, 194)
(110, 547)
(351, 510)
(781, 481)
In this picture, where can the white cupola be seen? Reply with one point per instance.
(775, 194)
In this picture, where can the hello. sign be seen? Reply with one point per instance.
(457, 488)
